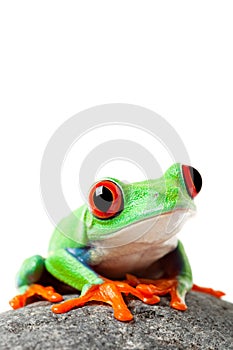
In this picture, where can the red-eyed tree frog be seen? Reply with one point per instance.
(123, 241)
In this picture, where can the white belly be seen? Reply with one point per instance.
(132, 258)
(153, 239)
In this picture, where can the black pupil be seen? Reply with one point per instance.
(103, 198)
(196, 177)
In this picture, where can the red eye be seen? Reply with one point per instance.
(192, 180)
(105, 199)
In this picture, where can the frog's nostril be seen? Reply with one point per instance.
(192, 179)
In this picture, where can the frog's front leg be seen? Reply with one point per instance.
(176, 265)
(184, 279)
(71, 266)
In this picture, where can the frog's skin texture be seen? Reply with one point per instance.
(125, 230)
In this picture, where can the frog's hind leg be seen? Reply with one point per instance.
(31, 273)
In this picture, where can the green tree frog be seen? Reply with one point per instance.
(122, 242)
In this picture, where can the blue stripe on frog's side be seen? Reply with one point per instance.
(81, 254)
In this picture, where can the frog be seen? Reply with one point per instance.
(123, 241)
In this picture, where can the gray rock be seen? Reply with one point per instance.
(207, 324)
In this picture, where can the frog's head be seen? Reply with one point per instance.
(119, 213)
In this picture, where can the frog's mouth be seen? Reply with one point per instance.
(156, 229)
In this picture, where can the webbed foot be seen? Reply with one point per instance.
(47, 293)
(109, 292)
(158, 288)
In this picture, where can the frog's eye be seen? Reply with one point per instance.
(105, 199)
(192, 179)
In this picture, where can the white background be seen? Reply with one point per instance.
(58, 58)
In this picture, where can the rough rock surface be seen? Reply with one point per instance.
(207, 324)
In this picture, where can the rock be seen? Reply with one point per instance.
(207, 324)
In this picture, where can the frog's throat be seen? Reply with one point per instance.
(159, 228)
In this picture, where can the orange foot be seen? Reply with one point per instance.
(215, 293)
(109, 292)
(159, 287)
(46, 293)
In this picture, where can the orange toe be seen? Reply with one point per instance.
(215, 293)
(178, 305)
(17, 302)
(108, 292)
(158, 288)
(46, 293)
